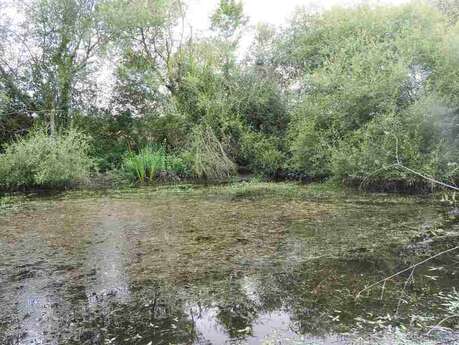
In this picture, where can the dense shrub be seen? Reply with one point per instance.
(12, 125)
(363, 76)
(41, 160)
(310, 149)
(423, 137)
(335, 93)
(111, 137)
(260, 101)
(114, 135)
(261, 153)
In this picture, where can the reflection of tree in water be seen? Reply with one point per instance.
(117, 308)
(107, 260)
(35, 304)
(236, 310)
(154, 314)
(320, 294)
(36, 307)
(316, 291)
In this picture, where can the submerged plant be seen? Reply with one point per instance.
(451, 308)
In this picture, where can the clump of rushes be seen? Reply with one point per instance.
(153, 163)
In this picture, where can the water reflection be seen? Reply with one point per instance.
(208, 329)
(265, 327)
(34, 304)
(178, 271)
(34, 299)
(107, 259)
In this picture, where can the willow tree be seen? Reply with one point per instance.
(151, 46)
(60, 40)
(367, 77)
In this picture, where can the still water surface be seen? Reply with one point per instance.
(218, 266)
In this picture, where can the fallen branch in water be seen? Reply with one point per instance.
(398, 164)
(427, 177)
(437, 326)
(412, 267)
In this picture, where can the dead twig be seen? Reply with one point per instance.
(410, 278)
(431, 179)
(439, 324)
(412, 267)
(398, 164)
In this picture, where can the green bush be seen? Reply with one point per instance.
(177, 165)
(310, 149)
(41, 160)
(420, 138)
(111, 135)
(261, 153)
(359, 74)
(150, 163)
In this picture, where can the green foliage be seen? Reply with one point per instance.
(40, 160)
(421, 138)
(260, 101)
(144, 165)
(310, 149)
(450, 8)
(207, 157)
(342, 92)
(151, 163)
(113, 135)
(206, 93)
(12, 125)
(121, 16)
(261, 153)
(228, 17)
(230, 102)
(362, 82)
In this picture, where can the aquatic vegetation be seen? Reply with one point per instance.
(10, 204)
(451, 306)
(252, 190)
(245, 259)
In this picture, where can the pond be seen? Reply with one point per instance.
(245, 263)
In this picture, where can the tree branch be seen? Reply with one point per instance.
(405, 270)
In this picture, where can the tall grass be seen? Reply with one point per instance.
(152, 162)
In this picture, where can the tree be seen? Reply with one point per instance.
(228, 19)
(61, 41)
(152, 50)
(449, 7)
(357, 72)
